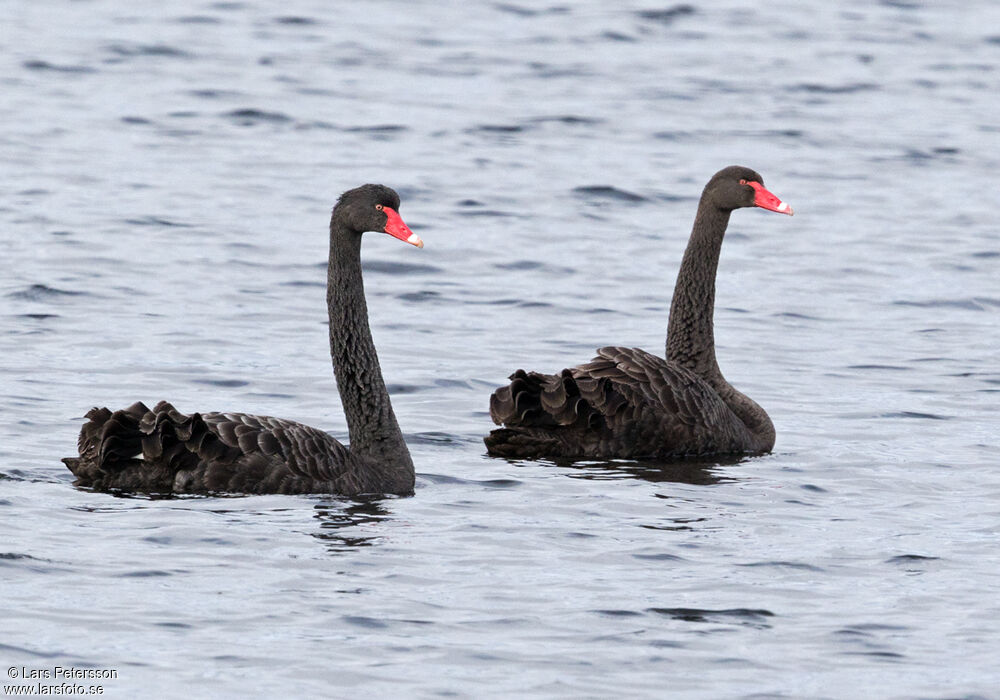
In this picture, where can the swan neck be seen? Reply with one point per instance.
(371, 423)
(690, 331)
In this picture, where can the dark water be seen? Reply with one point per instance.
(167, 172)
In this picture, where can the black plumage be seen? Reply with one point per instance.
(627, 403)
(165, 451)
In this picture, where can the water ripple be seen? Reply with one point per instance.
(43, 292)
(738, 615)
(667, 15)
(251, 117)
(607, 192)
(39, 65)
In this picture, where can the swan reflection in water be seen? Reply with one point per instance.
(698, 471)
(342, 522)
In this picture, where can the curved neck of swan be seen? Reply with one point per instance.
(371, 422)
(691, 331)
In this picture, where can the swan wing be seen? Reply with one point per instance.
(164, 450)
(625, 403)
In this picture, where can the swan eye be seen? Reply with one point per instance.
(743, 182)
(379, 207)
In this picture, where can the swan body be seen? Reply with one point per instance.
(162, 450)
(627, 403)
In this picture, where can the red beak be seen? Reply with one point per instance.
(766, 200)
(396, 228)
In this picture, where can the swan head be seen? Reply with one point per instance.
(736, 187)
(373, 208)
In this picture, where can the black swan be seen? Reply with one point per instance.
(629, 404)
(164, 451)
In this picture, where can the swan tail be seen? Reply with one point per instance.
(143, 450)
(544, 401)
(545, 415)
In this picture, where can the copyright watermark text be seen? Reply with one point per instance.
(57, 680)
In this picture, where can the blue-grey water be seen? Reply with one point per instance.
(166, 176)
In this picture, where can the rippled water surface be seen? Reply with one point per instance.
(167, 173)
